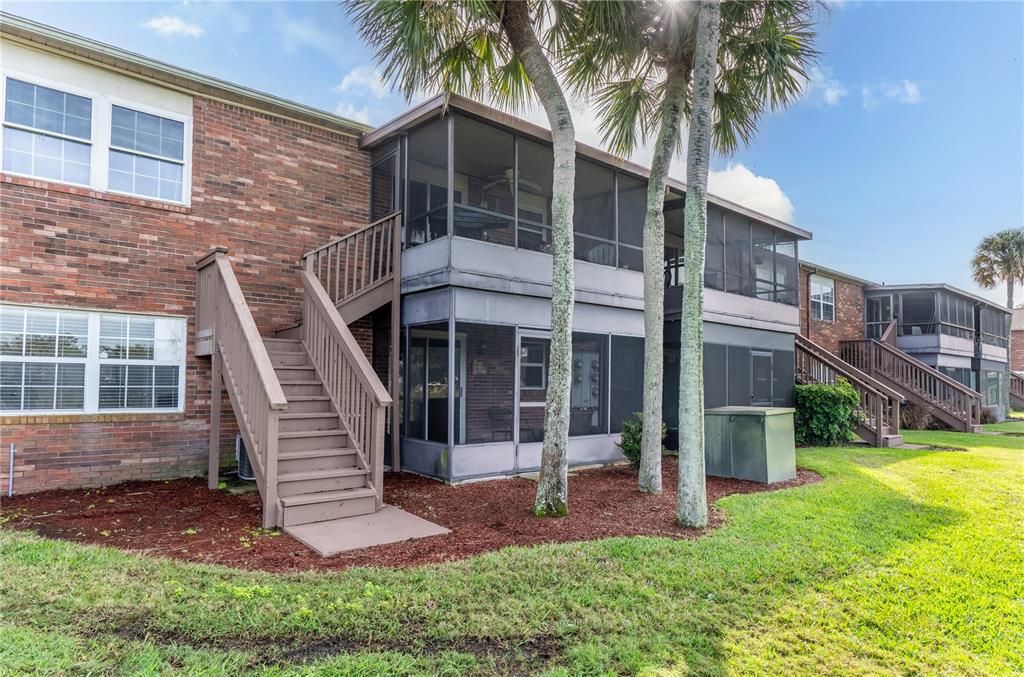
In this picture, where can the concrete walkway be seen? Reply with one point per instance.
(387, 525)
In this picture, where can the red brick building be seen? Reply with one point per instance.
(831, 306)
(267, 179)
(1017, 341)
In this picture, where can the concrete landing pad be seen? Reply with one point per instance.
(387, 525)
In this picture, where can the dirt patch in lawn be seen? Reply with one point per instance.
(182, 519)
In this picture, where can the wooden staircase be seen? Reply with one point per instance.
(309, 406)
(320, 475)
(947, 400)
(1016, 391)
(879, 410)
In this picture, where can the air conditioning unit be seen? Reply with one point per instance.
(244, 466)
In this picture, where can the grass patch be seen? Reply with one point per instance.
(900, 561)
(1016, 425)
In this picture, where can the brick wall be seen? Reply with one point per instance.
(265, 188)
(849, 316)
(1017, 350)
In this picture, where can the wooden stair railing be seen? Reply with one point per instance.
(225, 329)
(353, 387)
(359, 262)
(360, 272)
(1017, 390)
(950, 400)
(879, 409)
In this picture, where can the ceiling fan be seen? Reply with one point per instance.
(508, 176)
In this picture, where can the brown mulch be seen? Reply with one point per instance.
(184, 520)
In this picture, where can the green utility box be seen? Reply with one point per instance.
(750, 443)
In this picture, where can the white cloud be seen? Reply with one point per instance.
(760, 193)
(822, 88)
(305, 32)
(890, 91)
(363, 78)
(347, 110)
(173, 26)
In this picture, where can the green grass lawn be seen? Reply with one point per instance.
(1014, 425)
(899, 562)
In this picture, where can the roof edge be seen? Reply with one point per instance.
(440, 103)
(942, 286)
(54, 40)
(832, 272)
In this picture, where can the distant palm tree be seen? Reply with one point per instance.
(1000, 258)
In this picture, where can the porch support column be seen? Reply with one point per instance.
(396, 334)
(213, 473)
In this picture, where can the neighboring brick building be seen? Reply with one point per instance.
(1017, 341)
(831, 306)
(267, 179)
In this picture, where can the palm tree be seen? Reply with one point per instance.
(492, 49)
(1000, 258)
(638, 58)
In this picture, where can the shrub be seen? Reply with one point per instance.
(632, 434)
(826, 415)
(913, 417)
(988, 415)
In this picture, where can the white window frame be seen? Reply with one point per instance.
(100, 146)
(93, 362)
(816, 300)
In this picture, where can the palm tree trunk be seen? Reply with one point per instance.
(676, 81)
(1004, 393)
(692, 503)
(553, 484)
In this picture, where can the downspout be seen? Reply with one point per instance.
(10, 474)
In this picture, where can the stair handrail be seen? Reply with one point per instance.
(889, 335)
(847, 370)
(356, 392)
(357, 262)
(248, 373)
(972, 404)
(879, 405)
(1016, 385)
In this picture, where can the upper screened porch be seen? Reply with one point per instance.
(945, 326)
(474, 186)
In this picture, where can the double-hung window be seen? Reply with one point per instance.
(55, 361)
(47, 133)
(95, 141)
(147, 154)
(823, 298)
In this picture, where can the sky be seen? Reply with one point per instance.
(906, 148)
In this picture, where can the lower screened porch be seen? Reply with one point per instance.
(474, 366)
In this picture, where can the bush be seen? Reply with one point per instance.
(632, 434)
(826, 415)
(913, 417)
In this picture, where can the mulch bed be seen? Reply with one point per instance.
(184, 520)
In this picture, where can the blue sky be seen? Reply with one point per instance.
(907, 148)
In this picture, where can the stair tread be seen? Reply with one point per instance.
(320, 474)
(286, 367)
(310, 414)
(308, 398)
(327, 496)
(314, 453)
(311, 433)
(301, 383)
(281, 340)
